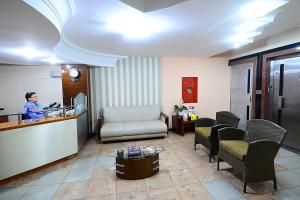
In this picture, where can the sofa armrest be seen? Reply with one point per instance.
(99, 126)
(230, 133)
(166, 118)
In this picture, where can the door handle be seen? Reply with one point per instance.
(280, 102)
(1, 108)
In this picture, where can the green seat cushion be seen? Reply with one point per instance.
(203, 131)
(237, 148)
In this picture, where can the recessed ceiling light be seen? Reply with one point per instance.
(258, 8)
(27, 52)
(136, 25)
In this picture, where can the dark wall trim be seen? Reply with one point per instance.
(294, 45)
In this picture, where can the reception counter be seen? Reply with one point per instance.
(31, 145)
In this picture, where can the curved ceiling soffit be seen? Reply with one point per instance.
(59, 12)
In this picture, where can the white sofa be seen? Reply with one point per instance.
(123, 123)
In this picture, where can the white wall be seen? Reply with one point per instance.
(279, 40)
(213, 83)
(15, 81)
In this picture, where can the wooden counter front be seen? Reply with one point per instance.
(30, 146)
(14, 125)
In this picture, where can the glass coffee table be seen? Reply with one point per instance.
(137, 165)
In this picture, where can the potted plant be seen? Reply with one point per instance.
(179, 108)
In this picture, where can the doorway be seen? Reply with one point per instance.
(241, 92)
(284, 98)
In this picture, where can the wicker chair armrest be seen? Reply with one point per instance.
(214, 132)
(205, 122)
(262, 150)
(166, 118)
(230, 133)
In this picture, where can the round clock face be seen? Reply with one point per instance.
(73, 73)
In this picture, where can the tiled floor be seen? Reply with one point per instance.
(185, 174)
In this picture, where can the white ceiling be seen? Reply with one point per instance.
(192, 28)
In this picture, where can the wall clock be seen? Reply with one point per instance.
(74, 74)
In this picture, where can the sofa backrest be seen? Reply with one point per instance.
(129, 114)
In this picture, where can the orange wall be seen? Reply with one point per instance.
(213, 83)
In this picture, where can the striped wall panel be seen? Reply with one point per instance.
(135, 81)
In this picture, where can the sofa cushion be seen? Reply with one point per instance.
(203, 131)
(155, 126)
(131, 114)
(237, 148)
(132, 128)
(112, 129)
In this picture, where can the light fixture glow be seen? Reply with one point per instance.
(242, 43)
(27, 52)
(52, 60)
(244, 37)
(254, 24)
(298, 48)
(258, 8)
(136, 25)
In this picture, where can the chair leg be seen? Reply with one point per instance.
(218, 164)
(195, 145)
(245, 186)
(275, 184)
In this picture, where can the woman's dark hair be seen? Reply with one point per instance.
(28, 95)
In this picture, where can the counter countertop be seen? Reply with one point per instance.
(14, 125)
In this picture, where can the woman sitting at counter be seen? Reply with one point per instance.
(32, 108)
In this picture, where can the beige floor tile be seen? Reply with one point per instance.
(163, 194)
(206, 174)
(185, 153)
(174, 164)
(124, 186)
(182, 177)
(108, 151)
(106, 197)
(133, 196)
(159, 180)
(262, 197)
(168, 154)
(193, 192)
(75, 190)
(194, 162)
(103, 173)
(98, 188)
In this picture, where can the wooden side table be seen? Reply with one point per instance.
(133, 169)
(179, 125)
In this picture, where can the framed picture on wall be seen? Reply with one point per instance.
(190, 89)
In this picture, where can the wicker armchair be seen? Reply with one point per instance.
(252, 152)
(206, 130)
